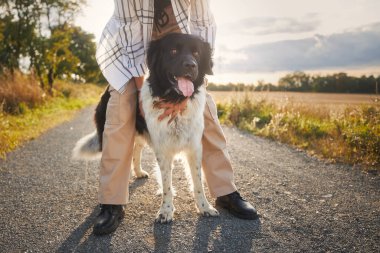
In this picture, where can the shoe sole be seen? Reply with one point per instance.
(236, 214)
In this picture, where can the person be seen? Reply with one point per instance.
(121, 56)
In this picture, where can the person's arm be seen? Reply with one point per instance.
(121, 52)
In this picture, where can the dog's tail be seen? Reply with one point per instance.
(88, 147)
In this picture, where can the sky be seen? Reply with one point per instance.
(264, 40)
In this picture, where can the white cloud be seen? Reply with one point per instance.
(280, 35)
(272, 25)
(358, 47)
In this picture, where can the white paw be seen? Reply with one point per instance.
(141, 174)
(165, 215)
(208, 210)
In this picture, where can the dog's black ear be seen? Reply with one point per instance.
(153, 53)
(207, 63)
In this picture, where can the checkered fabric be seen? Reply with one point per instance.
(124, 41)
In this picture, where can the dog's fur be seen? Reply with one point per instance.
(169, 59)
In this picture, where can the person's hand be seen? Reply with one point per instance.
(141, 110)
(170, 109)
(139, 83)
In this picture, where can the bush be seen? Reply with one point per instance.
(19, 92)
(245, 114)
(352, 136)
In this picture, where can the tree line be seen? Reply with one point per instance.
(39, 37)
(302, 82)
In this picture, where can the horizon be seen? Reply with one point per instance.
(265, 41)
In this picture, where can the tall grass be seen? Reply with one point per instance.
(351, 135)
(19, 92)
(27, 111)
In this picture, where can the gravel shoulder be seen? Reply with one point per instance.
(48, 202)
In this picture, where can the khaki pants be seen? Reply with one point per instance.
(118, 141)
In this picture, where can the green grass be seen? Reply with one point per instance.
(351, 136)
(29, 123)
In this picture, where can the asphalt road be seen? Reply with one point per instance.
(48, 202)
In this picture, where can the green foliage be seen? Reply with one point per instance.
(298, 81)
(246, 114)
(43, 32)
(353, 136)
(83, 47)
(229, 87)
(360, 129)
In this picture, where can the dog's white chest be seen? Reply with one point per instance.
(185, 130)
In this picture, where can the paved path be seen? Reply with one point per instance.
(48, 202)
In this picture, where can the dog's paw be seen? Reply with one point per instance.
(209, 211)
(141, 174)
(165, 216)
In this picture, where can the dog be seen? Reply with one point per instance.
(177, 66)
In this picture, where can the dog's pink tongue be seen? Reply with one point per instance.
(186, 86)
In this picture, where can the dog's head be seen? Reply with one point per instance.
(178, 64)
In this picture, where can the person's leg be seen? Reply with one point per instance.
(215, 159)
(217, 167)
(117, 150)
(115, 164)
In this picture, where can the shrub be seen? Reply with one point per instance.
(19, 92)
(352, 136)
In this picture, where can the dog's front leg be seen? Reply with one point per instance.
(194, 160)
(137, 150)
(165, 214)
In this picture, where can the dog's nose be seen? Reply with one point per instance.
(190, 64)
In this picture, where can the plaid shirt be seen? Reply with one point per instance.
(121, 50)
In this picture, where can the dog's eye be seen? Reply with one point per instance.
(173, 51)
(195, 53)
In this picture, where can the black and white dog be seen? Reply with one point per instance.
(178, 64)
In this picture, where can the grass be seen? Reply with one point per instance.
(351, 135)
(23, 120)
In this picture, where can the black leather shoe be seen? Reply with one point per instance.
(108, 219)
(237, 206)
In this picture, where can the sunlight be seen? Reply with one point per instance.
(247, 27)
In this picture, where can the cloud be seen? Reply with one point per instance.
(358, 47)
(274, 25)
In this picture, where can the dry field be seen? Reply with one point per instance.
(340, 127)
(298, 98)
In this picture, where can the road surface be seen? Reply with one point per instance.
(49, 202)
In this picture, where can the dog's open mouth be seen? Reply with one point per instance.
(185, 84)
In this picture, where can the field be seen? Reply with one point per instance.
(339, 127)
(314, 99)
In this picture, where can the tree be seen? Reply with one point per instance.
(84, 48)
(297, 81)
(39, 31)
(17, 25)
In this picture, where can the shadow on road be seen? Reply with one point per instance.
(162, 235)
(136, 183)
(225, 235)
(81, 239)
(75, 243)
